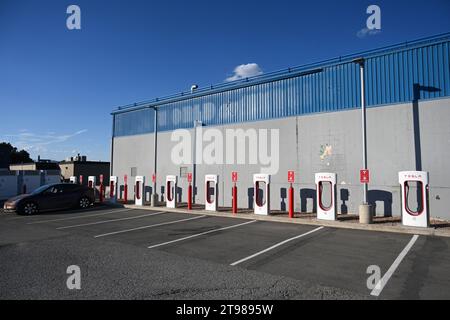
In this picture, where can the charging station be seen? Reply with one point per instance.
(416, 215)
(171, 191)
(73, 179)
(139, 187)
(326, 211)
(211, 192)
(113, 188)
(92, 182)
(261, 201)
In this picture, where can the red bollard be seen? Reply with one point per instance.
(190, 197)
(291, 202)
(101, 192)
(125, 193)
(235, 209)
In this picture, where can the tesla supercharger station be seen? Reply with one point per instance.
(73, 179)
(92, 182)
(139, 186)
(418, 216)
(113, 188)
(261, 202)
(171, 190)
(211, 192)
(326, 211)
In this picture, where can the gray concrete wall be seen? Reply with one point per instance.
(391, 148)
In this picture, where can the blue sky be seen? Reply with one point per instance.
(58, 86)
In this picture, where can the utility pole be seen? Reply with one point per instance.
(154, 199)
(365, 212)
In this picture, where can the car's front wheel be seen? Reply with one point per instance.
(84, 203)
(29, 208)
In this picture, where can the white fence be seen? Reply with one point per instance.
(13, 183)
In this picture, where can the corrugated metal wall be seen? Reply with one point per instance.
(391, 77)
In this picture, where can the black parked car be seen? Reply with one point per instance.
(52, 197)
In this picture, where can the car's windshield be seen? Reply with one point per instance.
(41, 189)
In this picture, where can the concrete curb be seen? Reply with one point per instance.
(312, 222)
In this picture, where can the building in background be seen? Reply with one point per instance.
(317, 110)
(79, 165)
(40, 164)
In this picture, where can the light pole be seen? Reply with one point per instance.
(365, 212)
(154, 199)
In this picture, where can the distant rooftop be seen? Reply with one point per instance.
(81, 159)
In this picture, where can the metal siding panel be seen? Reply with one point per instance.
(426, 66)
(381, 93)
(376, 82)
(369, 82)
(390, 71)
(435, 71)
(348, 86)
(385, 72)
(329, 89)
(420, 70)
(447, 68)
(404, 76)
(439, 63)
(390, 78)
(444, 71)
(396, 67)
(332, 89)
(431, 71)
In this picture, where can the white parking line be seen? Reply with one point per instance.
(110, 220)
(80, 217)
(146, 227)
(274, 246)
(384, 280)
(17, 217)
(201, 234)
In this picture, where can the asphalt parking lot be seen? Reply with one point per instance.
(141, 254)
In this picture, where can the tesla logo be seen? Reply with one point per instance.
(153, 178)
(291, 176)
(413, 176)
(234, 176)
(189, 177)
(364, 176)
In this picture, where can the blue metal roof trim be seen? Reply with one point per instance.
(326, 86)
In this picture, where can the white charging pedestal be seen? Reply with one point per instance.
(113, 188)
(92, 182)
(418, 216)
(139, 189)
(261, 203)
(171, 191)
(326, 211)
(211, 192)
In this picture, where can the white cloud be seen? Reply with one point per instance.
(364, 32)
(39, 143)
(245, 71)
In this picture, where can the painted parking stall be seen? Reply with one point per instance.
(332, 257)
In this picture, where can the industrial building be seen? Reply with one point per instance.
(80, 166)
(316, 109)
(40, 164)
